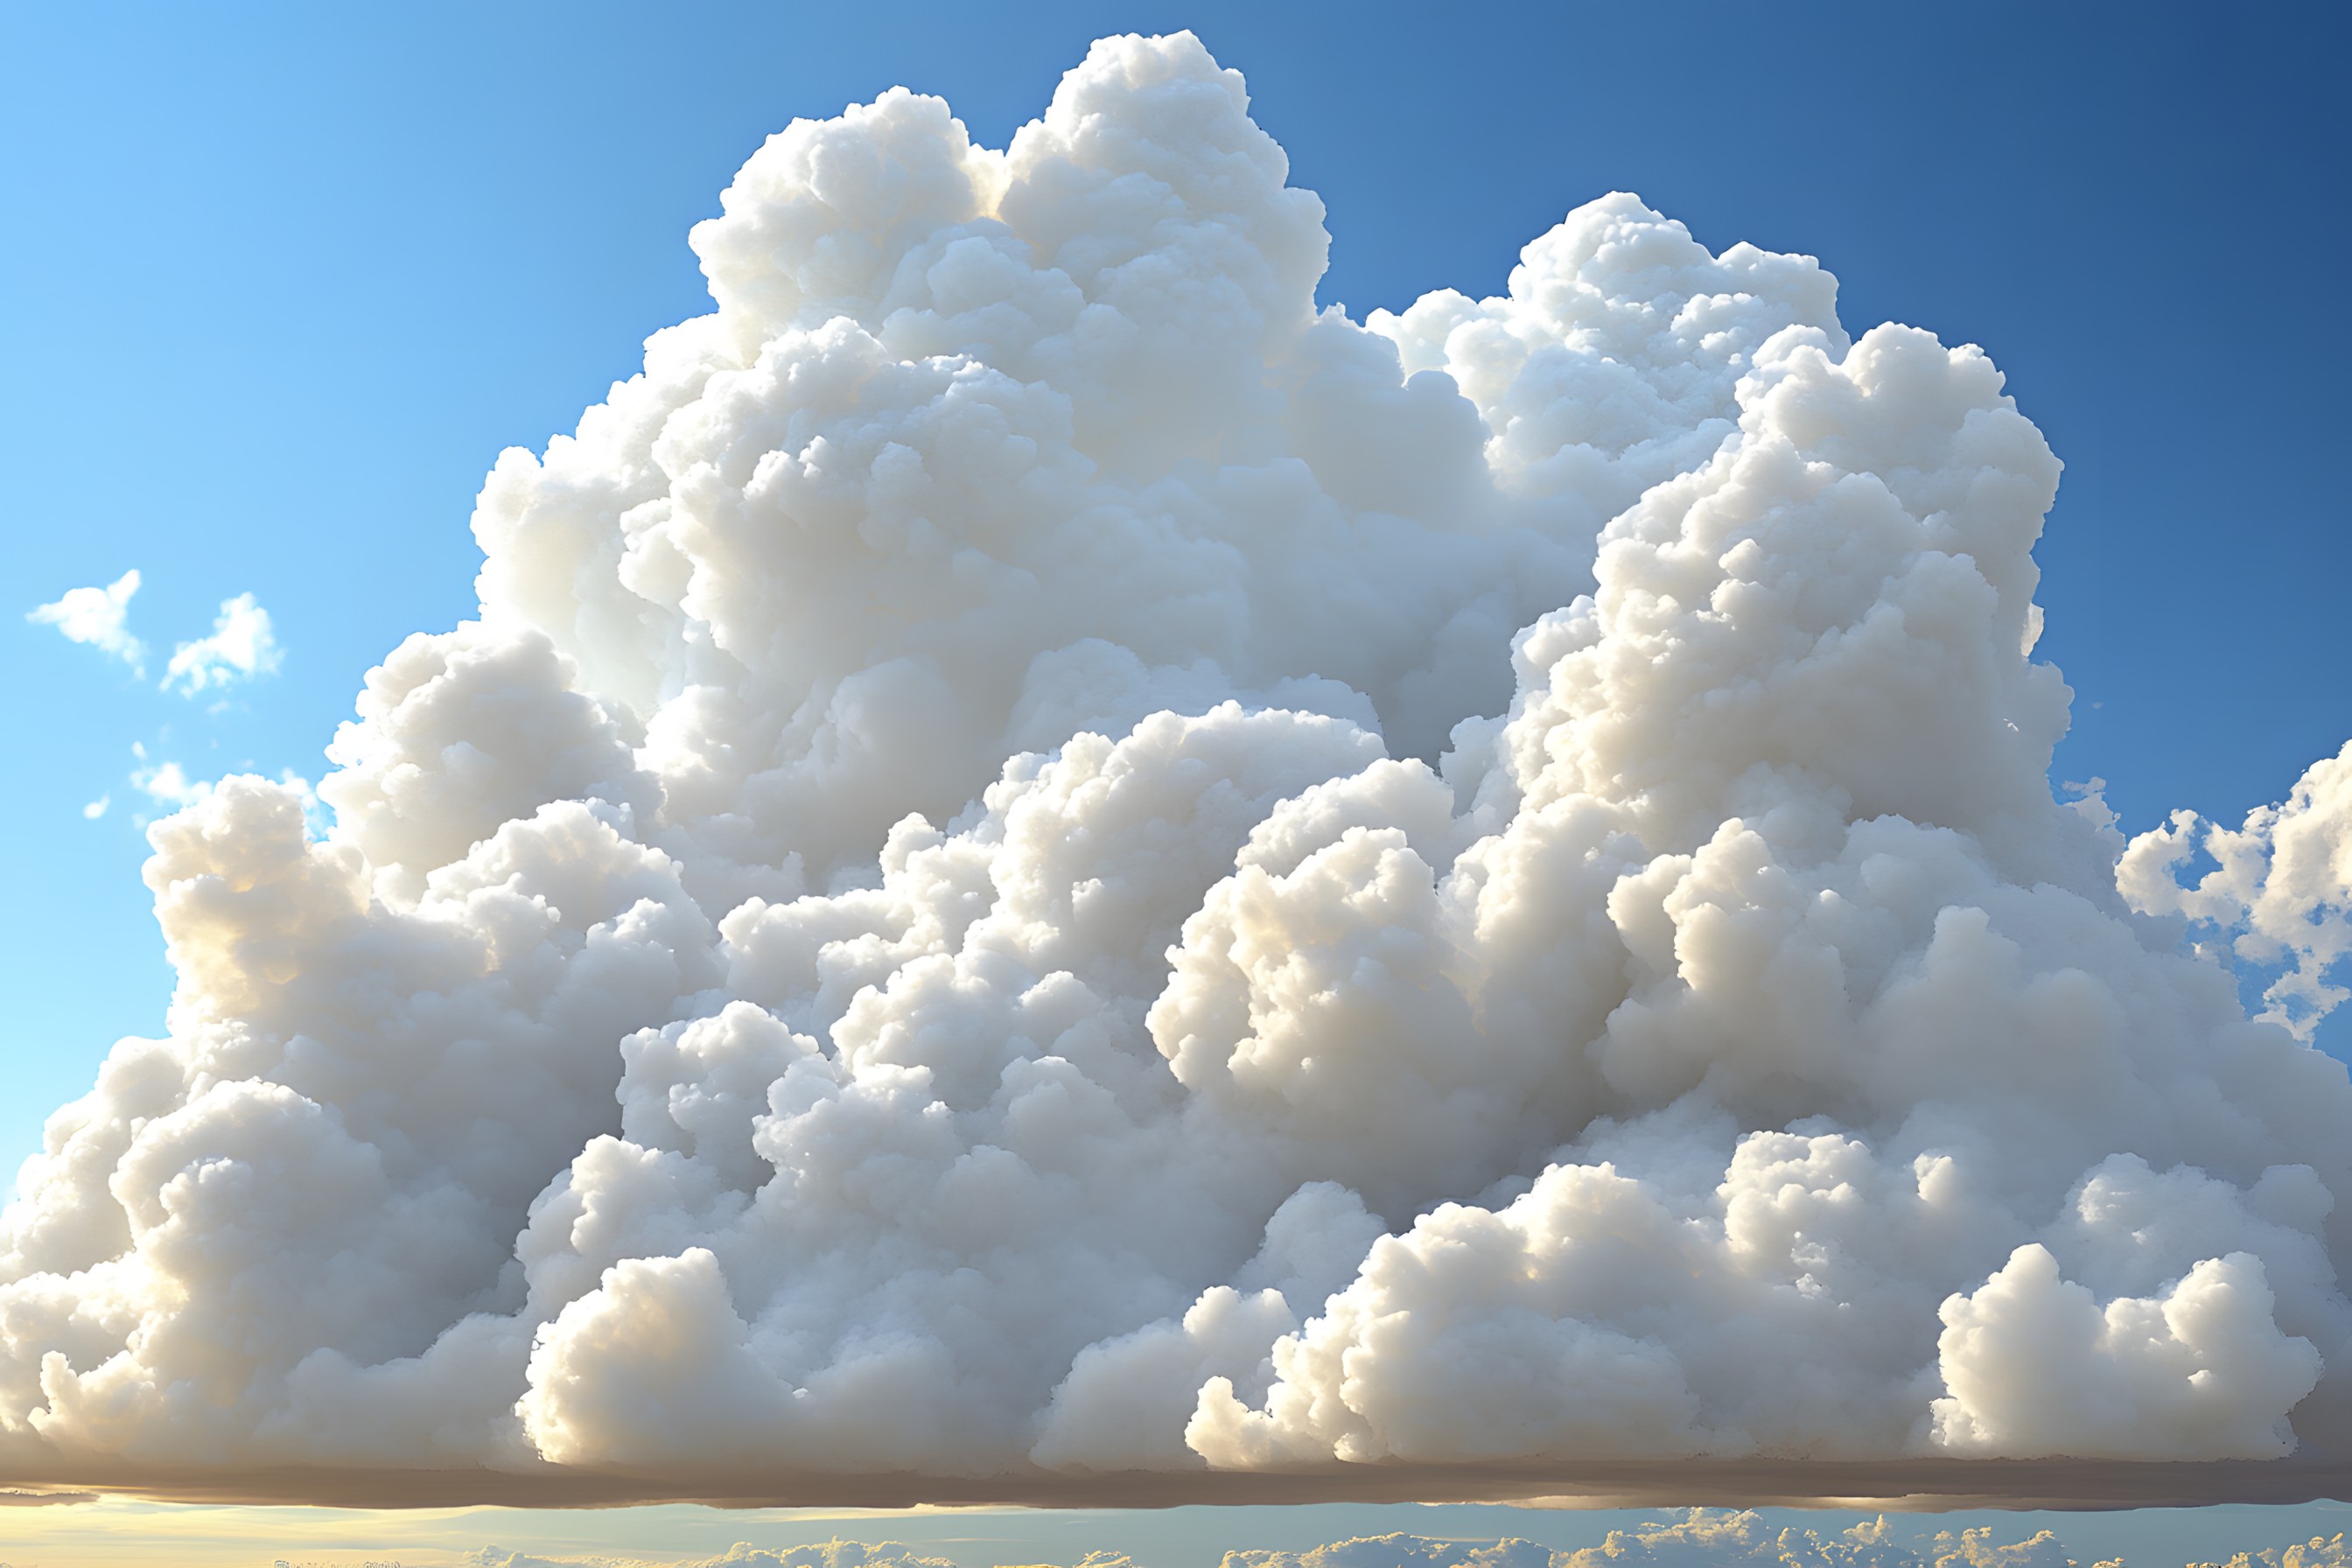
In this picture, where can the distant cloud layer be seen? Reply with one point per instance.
(1699, 1538)
(1043, 860)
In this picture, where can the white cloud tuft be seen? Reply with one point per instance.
(167, 783)
(2281, 890)
(2035, 1365)
(95, 616)
(1044, 859)
(241, 646)
(97, 808)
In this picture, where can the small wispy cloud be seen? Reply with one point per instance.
(242, 645)
(97, 808)
(170, 787)
(96, 616)
(166, 783)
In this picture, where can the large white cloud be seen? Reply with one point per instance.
(1043, 860)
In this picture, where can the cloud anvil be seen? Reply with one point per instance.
(1049, 874)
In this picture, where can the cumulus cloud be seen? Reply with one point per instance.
(240, 647)
(1044, 861)
(95, 616)
(2279, 892)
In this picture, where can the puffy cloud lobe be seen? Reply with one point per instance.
(1043, 858)
(2036, 1366)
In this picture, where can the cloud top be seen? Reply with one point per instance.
(1046, 863)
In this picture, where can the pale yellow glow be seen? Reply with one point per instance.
(121, 1532)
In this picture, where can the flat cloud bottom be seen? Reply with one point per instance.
(1921, 1485)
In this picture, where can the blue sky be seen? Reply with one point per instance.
(284, 280)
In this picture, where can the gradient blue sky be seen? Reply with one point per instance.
(280, 282)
